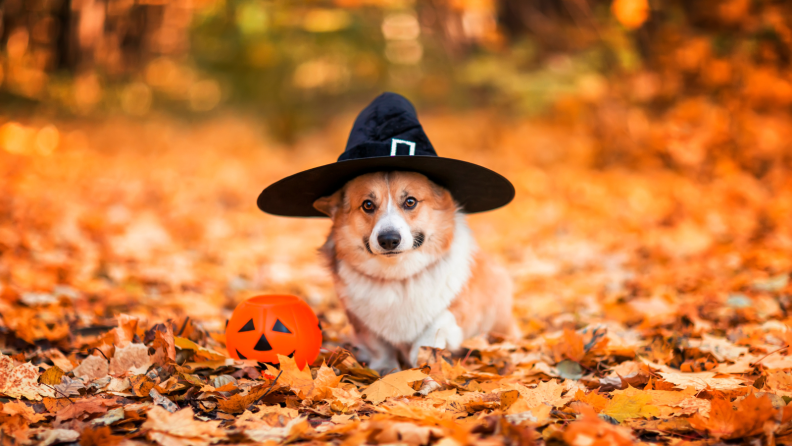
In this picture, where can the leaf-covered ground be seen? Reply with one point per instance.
(654, 302)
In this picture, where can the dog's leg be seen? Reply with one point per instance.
(444, 332)
(378, 353)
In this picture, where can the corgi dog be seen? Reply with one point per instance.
(407, 269)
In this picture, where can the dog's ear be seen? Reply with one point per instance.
(328, 205)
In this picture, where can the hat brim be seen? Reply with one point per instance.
(475, 188)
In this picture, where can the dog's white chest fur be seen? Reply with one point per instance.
(398, 311)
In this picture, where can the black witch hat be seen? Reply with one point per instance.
(387, 136)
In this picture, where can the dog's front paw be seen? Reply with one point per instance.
(444, 333)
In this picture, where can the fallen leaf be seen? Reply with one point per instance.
(594, 399)
(180, 428)
(240, 402)
(300, 381)
(69, 387)
(52, 376)
(141, 384)
(720, 348)
(395, 384)
(100, 436)
(18, 381)
(623, 407)
(546, 392)
(92, 368)
(48, 437)
(326, 380)
(590, 430)
(23, 410)
(703, 380)
(163, 401)
(748, 420)
(201, 353)
(84, 407)
(132, 359)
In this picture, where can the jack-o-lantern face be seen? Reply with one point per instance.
(264, 327)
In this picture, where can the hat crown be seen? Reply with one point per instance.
(388, 126)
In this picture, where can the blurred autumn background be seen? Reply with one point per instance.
(650, 240)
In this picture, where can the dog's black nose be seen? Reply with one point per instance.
(389, 240)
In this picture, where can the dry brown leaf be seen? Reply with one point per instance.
(748, 420)
(47, 437)
(547, 392)
(240, 402)
(325, 381)
(132, 359)
(395, 384)
(82, 408)
(92, 368)
(592, 430)
(626, 406)
(703, 380)
(101, 436)
(23, 410)
(52, 376)
(180, 428)
(17, 381)
(300, 381)
(721, 349)
(201, 353)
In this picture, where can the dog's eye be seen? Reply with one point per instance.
(368, 206)
(410, 202)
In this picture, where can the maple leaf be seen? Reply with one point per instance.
(546, 392)
(141, 384)
(404, 432)
(570, 346)
(125, 332)
(748, 420)
(69, 387)
(84, 407)
(131, 359)
(18, 381)
(779, 383)
(47, 437)
(325, 381)
(163, 401)
(164, 345)
(395, 384)
(703, 380)
(300, 381)
(201, 353)
(23, 410)
(100, 436)
(240, 402)
(623, 407)
(720, 348)
(92, 368)
(593, 399)
(292, 430)
(180, 428)
(590, 430)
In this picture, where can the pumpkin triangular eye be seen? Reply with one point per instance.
(263, 344)
(279, 327)
(248, 327)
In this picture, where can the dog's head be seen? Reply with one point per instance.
(390, 225)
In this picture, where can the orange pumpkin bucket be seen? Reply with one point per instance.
(264, 327)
